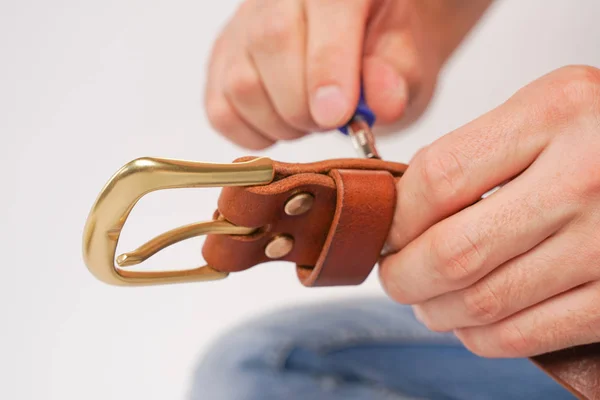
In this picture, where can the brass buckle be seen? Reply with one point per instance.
(140, 177)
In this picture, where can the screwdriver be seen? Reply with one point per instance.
(359, 130)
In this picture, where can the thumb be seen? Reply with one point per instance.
(336, 31)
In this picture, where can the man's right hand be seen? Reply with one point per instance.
(285, 68)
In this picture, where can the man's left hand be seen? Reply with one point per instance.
(518, 273)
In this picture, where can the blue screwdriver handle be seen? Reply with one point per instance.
(359, 129)
(363, 112)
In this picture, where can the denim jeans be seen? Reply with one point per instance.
(361, 349)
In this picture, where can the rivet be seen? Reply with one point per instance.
(299, 204)
(279, 247)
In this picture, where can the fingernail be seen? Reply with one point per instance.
(329, 106)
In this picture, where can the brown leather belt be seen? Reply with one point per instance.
(329, 218)
(336, 240)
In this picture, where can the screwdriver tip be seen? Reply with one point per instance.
(362, 138)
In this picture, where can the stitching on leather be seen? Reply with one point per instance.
(339, 203)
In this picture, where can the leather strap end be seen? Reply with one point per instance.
(577, 369)
(365, 204)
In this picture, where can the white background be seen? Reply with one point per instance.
(86, 86)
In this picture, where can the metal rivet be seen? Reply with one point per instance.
(299, 204)
(279, 247)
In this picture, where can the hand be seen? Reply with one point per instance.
(516, 274)
(283, 68)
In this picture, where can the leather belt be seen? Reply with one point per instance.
(335, 233)
(329, 218)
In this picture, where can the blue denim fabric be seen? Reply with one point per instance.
(363, 349)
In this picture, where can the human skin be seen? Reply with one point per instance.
(513, 275)
(516, 274)
(282, 69)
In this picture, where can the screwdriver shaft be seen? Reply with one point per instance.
(362, 138)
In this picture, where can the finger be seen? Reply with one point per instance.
(247, 95)
(224, 119)
(277, 47)
(457, 169)
(559, 264)
(460, 250)
(567, 320)
(391, 68)
(221, 115)
(334, 53)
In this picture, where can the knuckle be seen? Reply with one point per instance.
(511, 342)
(583, 192)
(577, 90)
(481, 304)
(442, 174)
(273, 31)
(219, 116)
(241, 83)
(456, 257)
